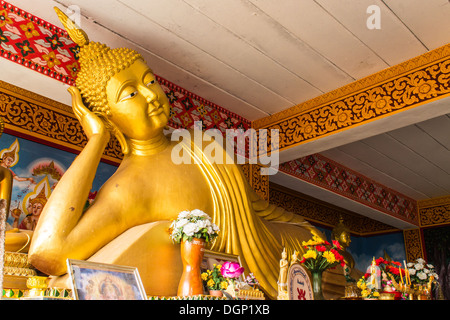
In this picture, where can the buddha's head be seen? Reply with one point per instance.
(341, 233)
(118, 85)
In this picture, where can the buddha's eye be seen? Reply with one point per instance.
(149, 83)
(131, 95)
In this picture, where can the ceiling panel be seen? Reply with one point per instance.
(414, 160)
(353, 16)
(426, 146)
(428, 20)
(257, 24)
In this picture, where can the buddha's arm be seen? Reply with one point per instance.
(64, 209)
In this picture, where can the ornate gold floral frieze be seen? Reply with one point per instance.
(413, 244)
(398, 88)
(435, 211)
(259, 183)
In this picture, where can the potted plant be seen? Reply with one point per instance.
(193, 229)
(215, 281)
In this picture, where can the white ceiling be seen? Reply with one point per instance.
(258, 57)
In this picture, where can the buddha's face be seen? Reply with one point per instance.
(344, 239)
(138, 105)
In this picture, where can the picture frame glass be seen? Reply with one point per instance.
(98, 281)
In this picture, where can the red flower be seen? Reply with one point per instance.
(380, 261)
(396, 263)
(321, 248)
(338, 256)
(336, 244)
(366, 275)
(393, 270)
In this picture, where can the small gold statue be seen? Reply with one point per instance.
(283, 277)
(294, 258)
(341, 233)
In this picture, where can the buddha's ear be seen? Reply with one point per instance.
(121, 138)
(117, 133)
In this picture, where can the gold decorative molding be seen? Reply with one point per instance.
(45, 120)
(259, 183)
(398, 88)
(434, 212)
(413, 244)
(325, 214)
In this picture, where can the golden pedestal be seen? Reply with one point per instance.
(16, 272)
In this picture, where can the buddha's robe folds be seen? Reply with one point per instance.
(250, 227)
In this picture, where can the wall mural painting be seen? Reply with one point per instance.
(36, 170)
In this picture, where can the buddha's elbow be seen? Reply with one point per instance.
(48, 261)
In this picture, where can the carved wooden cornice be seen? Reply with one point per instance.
(413, 244)
(434, 212)
(407, 85)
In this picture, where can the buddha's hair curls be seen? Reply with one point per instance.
(98, 63)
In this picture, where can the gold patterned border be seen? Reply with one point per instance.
(259, 183)
(401, 87)
(434, 212)
(413, 244)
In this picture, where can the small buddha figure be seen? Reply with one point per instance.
(341, 233)
(117, 94)
(283, 277)
(294, 258)
(374, 280)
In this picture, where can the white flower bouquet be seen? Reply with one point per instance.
(420, 272)
(193, 224)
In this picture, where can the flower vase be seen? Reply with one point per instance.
(191, 256)
(317, 284)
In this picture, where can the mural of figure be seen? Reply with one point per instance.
(9, 158)
(35, 207)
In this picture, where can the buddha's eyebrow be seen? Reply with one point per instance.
(122, 87)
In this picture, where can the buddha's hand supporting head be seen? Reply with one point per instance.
(92, 124)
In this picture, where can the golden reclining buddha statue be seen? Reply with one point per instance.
(117, 93)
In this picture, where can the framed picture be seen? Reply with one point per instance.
(98, 281)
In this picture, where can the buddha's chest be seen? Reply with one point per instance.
(162, 187)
